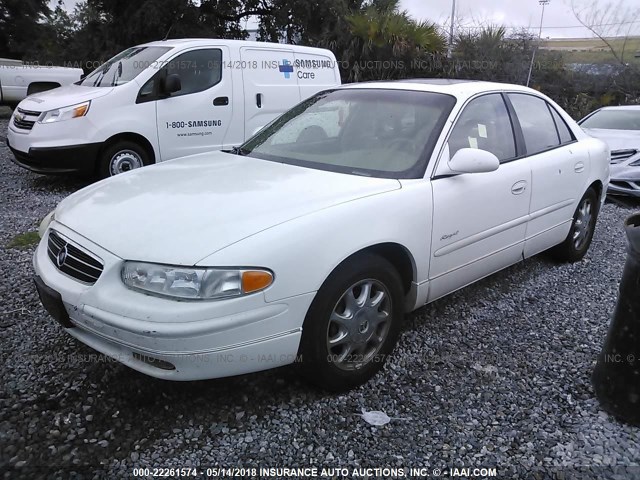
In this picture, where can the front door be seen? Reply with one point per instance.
(197, 118)
(479, 219)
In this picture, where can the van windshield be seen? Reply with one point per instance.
(124, 67)
(371, 132)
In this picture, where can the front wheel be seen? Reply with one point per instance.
(577, 243)
(352, 324)
(122, 157)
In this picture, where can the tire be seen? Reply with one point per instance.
(577, 243)
(121, 157)
(372, 337)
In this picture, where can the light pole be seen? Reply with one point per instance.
(544, 3)
(453, 16)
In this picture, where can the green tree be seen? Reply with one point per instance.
(21, 23)
(382, 42)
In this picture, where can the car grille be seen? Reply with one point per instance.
(75, 262)
(26, 119)
(618, 156)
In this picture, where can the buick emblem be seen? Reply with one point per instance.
(62, 256)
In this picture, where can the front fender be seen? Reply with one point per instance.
(303, 252)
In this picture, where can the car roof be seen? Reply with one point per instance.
(622, 107)
(451, 86)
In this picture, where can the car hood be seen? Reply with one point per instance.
(62, 97)
(617, 139)
(184, 210)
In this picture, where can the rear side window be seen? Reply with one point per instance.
(563, 130)
(485, 124)
(198, 70)
(538, 126)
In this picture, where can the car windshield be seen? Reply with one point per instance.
(372, 132)
(614, 120)
(124, 67)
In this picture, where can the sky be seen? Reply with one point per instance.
(559, 20)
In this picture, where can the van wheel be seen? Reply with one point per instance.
(122, 157)
(577, 243)
(353, 323)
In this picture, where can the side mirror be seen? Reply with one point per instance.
(473, 160)
(171, 84)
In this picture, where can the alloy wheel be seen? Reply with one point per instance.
(582, 225)
(359, 324)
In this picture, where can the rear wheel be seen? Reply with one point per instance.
(577, 243)
(122, 157)
(352, 324)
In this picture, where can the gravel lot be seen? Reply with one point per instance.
(496, 375)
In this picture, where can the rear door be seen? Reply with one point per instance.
(479, 219)
(197, 118)
(270, 85)
(559, 167)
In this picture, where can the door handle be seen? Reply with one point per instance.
(259, 100)
(579, 167)
(519, 188)
(221, 101)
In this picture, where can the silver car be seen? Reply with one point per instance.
(620, 128)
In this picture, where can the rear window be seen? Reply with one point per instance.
(613, 120)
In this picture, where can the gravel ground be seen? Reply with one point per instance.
(496, 375)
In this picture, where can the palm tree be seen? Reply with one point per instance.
(377, 41)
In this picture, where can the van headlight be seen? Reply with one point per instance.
(193, 283)
(46, 221)
(65, 113)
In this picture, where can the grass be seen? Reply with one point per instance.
(24, 240)
(594, 50)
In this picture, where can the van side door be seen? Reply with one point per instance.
(315, 73)
(196, 118)
(270, 85)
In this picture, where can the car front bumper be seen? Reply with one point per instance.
(624, 187)
(625, 178)
(174, 340)
(58, 160)
(56, 148)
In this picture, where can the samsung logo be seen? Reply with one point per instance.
(314, 64)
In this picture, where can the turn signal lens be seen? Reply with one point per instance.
(80, 110)
(253, 280)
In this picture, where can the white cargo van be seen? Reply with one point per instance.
(164, 100)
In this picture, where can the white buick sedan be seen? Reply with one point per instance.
(310, 242)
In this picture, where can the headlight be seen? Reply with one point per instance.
(46, 221)
(194, 283)
(66, 113)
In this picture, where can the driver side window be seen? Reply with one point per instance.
(198, 70)
(485, 124)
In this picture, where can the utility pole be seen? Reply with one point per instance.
(453, 17)
(544, 3)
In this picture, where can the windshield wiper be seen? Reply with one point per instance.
(117, 74)
(240, 151)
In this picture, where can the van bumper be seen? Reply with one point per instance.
(79, 159)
